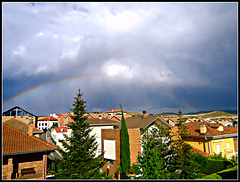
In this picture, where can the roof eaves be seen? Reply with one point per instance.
(225, 136)
(29, 152)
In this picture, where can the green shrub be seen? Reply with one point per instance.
(212, 176)
(215, 166)
(201, 160)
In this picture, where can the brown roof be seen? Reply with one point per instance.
(194, 129)
(16, 141)
(21, 125)
(103, 121)
(142, 122)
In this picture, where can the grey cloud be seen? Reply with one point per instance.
(171, 46)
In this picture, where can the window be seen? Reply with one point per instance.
(228, 145)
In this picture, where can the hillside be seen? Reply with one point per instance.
(213, 114)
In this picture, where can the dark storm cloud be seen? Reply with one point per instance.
(146, 56)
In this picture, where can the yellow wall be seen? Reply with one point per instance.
(213, 146)
(223, 146)
(198, 145)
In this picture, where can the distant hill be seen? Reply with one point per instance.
(213, 114)
(201, 112)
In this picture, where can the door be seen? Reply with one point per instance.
(218, 149)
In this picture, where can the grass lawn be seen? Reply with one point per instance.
(230, 173)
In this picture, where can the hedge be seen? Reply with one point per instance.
(215, 166)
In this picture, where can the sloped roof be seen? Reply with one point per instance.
(118, 118)
(142, 122)
(63, 114)
(58, 129)
(17, 106)
(112, 111)
(49, 118)
(201, 152)
(194, 129)
(103, 121)
(18, 142)
(21, 125)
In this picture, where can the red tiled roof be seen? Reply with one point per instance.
(116, 110)
(200, 151)
(58, 129)
(16, 141)
(49, 118)
(194, 129)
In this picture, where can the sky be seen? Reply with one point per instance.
(157, 57)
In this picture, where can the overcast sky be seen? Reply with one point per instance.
(158, 57)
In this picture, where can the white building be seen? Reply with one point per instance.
(46, 123)
(58, 133)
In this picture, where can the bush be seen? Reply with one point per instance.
(201, 160)
(212, 176)
(215, 166)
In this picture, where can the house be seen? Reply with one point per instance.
(98, 124)
(212, 137)
(47, 122)
(24, 155)
(22, 126)
(58, 133)
(61, 119)
(68, 118)
(111, 139)
(115, 112)
(20, 114)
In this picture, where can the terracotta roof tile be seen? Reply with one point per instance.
(15, 123)
(200, 151)
(58, 129)
(16, 141)
(49, 118)
(116, 110)
(194, 129)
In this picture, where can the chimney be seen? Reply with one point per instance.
(203, 129)
(100, 117)
(30, 127)
(220, 128)
(144, 114)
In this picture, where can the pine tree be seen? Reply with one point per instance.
(125, 146)
(154, 161)
(183, 162)
(79, 159)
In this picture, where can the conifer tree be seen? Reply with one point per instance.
(154, 161)
(183, 162)
(79, 160)
(125, 146)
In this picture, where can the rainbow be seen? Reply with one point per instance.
(46, 85)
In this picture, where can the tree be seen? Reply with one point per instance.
(183, 162)
(157, 154)
(125, 146)
(79, 160)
